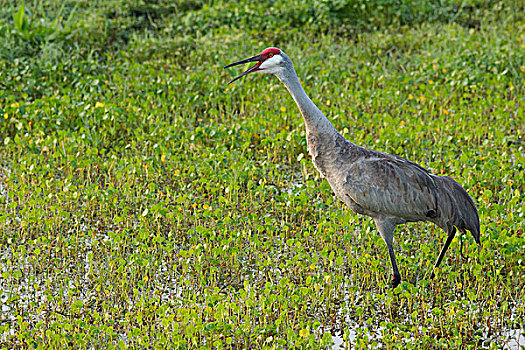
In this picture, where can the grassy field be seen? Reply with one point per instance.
(146, 204)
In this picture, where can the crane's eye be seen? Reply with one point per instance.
(270, 55)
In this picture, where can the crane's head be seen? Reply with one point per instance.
(271, 61)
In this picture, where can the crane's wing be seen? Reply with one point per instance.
(387, 185)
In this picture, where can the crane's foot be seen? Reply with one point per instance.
(396, 279)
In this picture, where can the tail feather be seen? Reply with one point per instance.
(457, 208)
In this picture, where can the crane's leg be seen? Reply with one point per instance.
(386, 229)
(450, 237)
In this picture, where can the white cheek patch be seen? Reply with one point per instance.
(272, 63)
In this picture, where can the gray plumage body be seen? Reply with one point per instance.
(388, 188)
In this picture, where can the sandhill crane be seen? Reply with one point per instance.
(386, 187)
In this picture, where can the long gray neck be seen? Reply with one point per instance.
(315, 120)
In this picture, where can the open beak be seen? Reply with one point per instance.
(255, 68)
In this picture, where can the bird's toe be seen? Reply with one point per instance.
(396, 279)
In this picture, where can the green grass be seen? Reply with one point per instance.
(146, 204)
